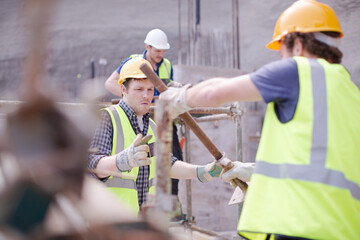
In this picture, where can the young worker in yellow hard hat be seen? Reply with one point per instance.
(156, 45)
(118, 140)
(306, 183)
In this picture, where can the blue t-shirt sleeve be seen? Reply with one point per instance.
(278, 82)
(122, 64)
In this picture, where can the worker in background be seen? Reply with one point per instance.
(306, 183)
(156, 44)
(118, 140)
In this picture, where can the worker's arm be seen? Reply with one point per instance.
(204, 173)
(211, 93)
(106, 166)
(112, 84)
(183, 170)
(217, 91)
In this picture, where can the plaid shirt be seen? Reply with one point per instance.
(102, 140)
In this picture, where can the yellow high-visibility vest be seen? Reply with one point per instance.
(123, 135)
(307, 179)
(164, 68)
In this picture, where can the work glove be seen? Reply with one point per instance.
(208, 172)
(174, 84)
(177, 98)
(136, 155)
(240, 170)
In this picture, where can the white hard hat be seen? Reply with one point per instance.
(157, 39)
(131, 69)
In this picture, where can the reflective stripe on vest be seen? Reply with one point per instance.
(125, 183)
(164, 68)
(117, 131)
(116, 182)
(153, 126)
(316, 170)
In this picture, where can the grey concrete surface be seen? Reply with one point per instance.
(85, 31)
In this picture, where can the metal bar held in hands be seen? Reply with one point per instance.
(189, 120)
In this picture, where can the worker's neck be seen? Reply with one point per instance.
(149, 59)
(309, 55)
(137, 113)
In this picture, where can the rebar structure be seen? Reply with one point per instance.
(208, 114)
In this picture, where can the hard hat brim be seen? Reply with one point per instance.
(273, 45)
(159, 47)
(138, 76)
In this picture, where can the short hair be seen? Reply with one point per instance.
(128, 80)
(312, 45)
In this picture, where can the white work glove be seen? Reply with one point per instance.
(240, 170)
(208, 172)
(136, 155)
(177, 98)
(174, 84)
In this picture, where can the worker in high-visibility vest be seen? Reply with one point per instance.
(156, 45)
(118, 140)
(306, 183)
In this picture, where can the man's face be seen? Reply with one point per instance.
(139, 95)
(155, 54)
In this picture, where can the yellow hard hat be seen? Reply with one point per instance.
(304, 16)
(131, 69)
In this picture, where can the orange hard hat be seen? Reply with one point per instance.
(131, 69)
(305, 16)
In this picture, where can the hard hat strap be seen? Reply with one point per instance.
(331, 41)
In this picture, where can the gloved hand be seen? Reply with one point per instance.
(177, 98)
(174, 84)
(136, 155)
(240, 170)
(208, 172)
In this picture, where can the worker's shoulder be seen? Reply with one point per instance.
(106, 111)
(286, 64)
(135, 55)
(166, 61)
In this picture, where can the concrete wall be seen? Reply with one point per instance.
(85, 31)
